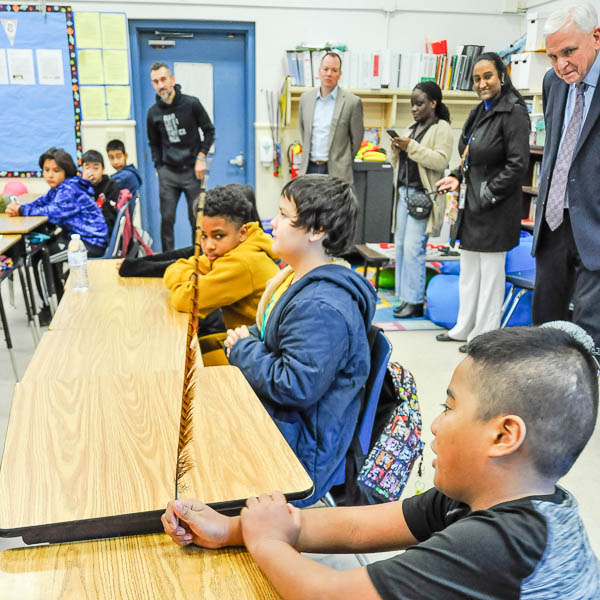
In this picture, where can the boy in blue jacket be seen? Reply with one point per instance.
(307, 357)
(126, 176)
(69, 204)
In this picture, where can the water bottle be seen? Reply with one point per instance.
(77, 257)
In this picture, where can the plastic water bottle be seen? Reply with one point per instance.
(77, 257)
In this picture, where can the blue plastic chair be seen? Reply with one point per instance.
(380, 356)
(114, 237)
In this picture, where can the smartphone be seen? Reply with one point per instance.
(392, 133)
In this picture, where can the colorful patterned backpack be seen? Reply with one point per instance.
(396, 443)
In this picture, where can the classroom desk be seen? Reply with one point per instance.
(20, 224)
(149, 567)
(96, 457)
(7, 241)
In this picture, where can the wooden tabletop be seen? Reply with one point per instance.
(71, 353)
(149, 567)
(103, 447)
(19, 224)
(7, 241)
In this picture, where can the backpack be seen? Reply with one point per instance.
(396, 442)
(395, 445)
(133, 243)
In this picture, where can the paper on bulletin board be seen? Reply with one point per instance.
(90, 67)
(87, 29)
(114, 34)
(118, 101)
(116, 70)
(20, 66)
(3, 69)
(50, 67)
(93, 103)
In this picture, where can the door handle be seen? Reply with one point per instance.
(238, 161)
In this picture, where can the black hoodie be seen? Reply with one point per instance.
(173, 131)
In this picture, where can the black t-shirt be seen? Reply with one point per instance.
(534, 547)
(110, 190)
(408, 169)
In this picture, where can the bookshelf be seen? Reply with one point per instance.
(530, 186)
(386, 107)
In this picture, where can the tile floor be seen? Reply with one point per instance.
(432, 364)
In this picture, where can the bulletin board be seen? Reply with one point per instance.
(103, 61)
(39, 89)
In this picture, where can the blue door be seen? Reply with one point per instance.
(201, 55)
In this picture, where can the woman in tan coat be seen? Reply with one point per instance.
(422, 158)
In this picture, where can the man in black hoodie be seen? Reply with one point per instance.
(178, 151)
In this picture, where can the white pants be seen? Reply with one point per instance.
(480, 293)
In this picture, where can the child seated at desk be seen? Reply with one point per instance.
(106, 190)
(126, 176)
(519, 410)
(236, 263)
(308, 356)
(69, 203)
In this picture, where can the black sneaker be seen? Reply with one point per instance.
(45, 316)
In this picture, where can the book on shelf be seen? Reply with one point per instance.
(388, 69)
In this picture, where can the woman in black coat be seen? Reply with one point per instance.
(494, 147)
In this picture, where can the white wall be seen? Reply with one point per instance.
(360, 24)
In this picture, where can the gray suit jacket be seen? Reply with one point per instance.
(583, 183)
(345, 136)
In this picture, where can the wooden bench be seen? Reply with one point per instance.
(371, 258)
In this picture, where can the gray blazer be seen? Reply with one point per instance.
(346, 134)
(582, 185)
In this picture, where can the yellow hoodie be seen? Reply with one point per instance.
(234, 282)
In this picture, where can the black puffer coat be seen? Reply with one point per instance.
(498, 158)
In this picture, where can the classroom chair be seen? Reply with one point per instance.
(117, 234)
(381, 350)
(521, 282)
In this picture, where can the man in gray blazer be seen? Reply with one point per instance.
(566, 240)
(331, 124)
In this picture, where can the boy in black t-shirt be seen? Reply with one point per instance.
(519, 410)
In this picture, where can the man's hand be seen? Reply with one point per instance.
(233, 335)
(200, 167)
(269, 518)
(192, 522)
(447, 184)
(400, 143)
(12, 209)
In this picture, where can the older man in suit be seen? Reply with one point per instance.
(566, 240)
(331, 124)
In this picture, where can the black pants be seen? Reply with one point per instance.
(561, 278)
(170, 186)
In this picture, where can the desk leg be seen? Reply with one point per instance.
(7, 338)
(25, 291)
(49, 276)
(34, 312)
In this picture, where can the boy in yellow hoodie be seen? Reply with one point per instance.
(236, 264)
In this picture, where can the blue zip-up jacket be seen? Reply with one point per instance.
(311, 365)
(71, 205)
(128, 178)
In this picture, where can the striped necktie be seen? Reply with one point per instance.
(558, 187)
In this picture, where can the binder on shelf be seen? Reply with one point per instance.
(292, 66)
(307, 79)
(535, 32)
(374, 71)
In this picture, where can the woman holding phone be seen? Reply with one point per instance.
(494, 146)
(421, 158)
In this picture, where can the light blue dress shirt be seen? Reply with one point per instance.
(321, 126)
(590, 80)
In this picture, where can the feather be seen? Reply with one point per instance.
(184, 463)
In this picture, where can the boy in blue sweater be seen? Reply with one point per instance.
(518, 412)
(69, 204)
(307, 357)
(126, 176)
